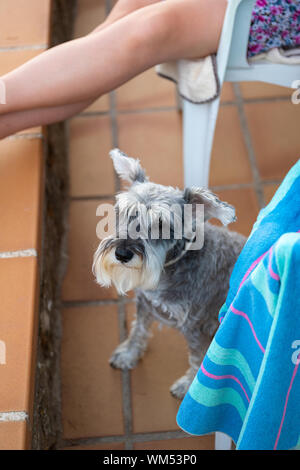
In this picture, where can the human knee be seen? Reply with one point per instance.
(155, 32)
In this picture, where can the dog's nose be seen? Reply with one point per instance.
(123, 254)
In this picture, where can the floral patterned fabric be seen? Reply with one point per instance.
(275, 23)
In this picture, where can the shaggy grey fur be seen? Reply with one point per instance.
(190, 291)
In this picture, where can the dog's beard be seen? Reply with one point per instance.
(141, 271)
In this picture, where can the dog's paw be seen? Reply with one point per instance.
(180, 387)
(123, 358)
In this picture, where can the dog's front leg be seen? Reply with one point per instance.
(127, 354)
(181, 386)
(197, 349)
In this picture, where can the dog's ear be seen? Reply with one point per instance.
(213, 207)
(129, 169)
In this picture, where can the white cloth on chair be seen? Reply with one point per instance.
(197, 80)
(279, 56)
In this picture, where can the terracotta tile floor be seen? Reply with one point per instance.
(256, 143)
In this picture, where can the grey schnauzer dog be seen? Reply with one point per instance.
(181, 287)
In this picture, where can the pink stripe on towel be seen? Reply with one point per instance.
(222, 377)
(244, 315)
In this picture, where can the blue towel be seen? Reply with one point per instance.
(248, 385)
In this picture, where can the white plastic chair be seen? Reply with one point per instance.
(199, 121)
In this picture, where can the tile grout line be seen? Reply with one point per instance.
(13, 416)
(29, 253)
(92, 197)
(163, 109)
(29, 47)
(25, 136)
(220, 187)
(137, 437)
(159, 436)
(114, 131)
(272, 181)
(93, 303)
(126, 385)
(266, 99)
(228, 187)
(113, 112)
(248, 141)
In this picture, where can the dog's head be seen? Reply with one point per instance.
(152, 225)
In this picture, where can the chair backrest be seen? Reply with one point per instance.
(226, 37)
(240, 36)
(232, 54)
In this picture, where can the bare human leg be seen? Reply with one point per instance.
(13, 122)
(150, 35)
(121, 9)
